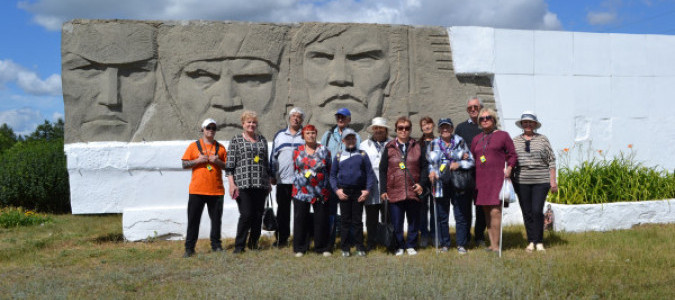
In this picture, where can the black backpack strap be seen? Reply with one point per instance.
(217, 147)
(199, 147)
(330, 135)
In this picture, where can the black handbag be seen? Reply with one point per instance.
(385, 231)
(269, 220)
(462, 179)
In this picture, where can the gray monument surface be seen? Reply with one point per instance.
(135, 81)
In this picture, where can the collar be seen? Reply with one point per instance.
(470, 121)
(288, 131)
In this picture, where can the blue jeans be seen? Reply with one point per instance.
(442, 209)
(462, 203)
(409, 209)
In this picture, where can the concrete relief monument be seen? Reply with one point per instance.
(109, 79)
(137, 81)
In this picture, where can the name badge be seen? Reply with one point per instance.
(442, 167)
(209, 167)
(256, 159)
(308, 174)
(401, 165)
(483, 159)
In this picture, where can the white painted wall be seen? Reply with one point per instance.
(598, 91)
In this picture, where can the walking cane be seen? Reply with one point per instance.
(501, 221)
(433, 198)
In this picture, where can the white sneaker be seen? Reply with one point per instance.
(299, 254)
(399, 252)
(529, 248)
(411, 251)
(327, 253)
(540, 247)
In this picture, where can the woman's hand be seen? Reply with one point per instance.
(433, 176)
(234, 191)
(417, 188)
(507, 172)
(454, 165)
(384, 196)
(554, 186)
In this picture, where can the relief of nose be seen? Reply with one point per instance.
(340, 74)
(226, 97)
(109, 95)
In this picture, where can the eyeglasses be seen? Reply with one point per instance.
(402, 128)
(212, 128)
(527, 146)
(473, 107)
(485, 118)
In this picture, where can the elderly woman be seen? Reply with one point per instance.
(403, 173)
(427, 227)
(374, 147)
(495, 158)
(311, 163)
(533, 177)
(446, 154)
(248, 174)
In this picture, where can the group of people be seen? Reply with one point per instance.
(394, 179)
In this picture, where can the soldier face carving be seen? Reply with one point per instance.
(222, 89)
(348, 70)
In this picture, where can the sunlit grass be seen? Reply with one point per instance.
(84, 257)
(599, 179)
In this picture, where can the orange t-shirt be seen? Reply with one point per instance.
(205, 181)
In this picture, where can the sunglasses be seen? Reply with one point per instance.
(527, 146)
(485, 118)
(473, 107)
(212, 128)
(402, 128)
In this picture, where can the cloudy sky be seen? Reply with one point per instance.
(30, 58)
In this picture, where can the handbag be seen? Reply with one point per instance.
(269, 220)
(462, 179)
(385, 231)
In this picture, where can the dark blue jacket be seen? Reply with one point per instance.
(352, 169)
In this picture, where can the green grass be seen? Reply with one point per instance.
(601, 180)
(85, 257)
(13, 217)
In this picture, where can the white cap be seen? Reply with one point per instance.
(208, 121)
(379, 122)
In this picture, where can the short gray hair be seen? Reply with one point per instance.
(297, 110)
(480, 101)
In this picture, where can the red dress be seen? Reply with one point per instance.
(490, 152)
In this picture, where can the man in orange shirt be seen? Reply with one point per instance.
(206, 157)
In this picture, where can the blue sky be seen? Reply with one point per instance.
(30, 58)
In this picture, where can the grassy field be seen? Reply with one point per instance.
(85, 257)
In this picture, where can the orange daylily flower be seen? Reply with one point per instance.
(630, 146)
(566, 149)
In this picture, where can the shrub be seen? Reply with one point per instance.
(599, 180)
(34, 176)
(13, 217)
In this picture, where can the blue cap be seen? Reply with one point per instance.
(343, 111)
(445, 121)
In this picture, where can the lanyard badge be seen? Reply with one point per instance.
(483, 159)
(209, 167)
(256, 159)
(401, 165)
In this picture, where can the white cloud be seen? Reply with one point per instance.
(601, 18)
(23, 120)
(27, 80)
(523, 14)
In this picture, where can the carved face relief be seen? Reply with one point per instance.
(223, 89)
(348, 70)
(107, 100)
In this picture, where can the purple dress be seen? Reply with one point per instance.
(490, 152)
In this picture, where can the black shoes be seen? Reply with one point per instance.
(188, 253)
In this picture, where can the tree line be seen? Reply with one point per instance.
(33, 172)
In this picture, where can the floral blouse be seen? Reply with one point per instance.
(440, 157)
(312, 173)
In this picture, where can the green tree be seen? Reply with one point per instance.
(47, 131)
(7, 137)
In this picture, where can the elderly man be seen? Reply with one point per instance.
(206, 157)
(281, 166)
(468, 130)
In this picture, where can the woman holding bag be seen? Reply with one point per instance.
(446, 154)
(491, 149)
(533, 177)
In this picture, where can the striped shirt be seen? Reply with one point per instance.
(533, 167)
(247, 162)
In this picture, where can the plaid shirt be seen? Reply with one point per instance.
(248, 162)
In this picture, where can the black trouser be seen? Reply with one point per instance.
(214, 205)
(251, 203)
(300, 222)
(284, 192)
(479, 227)
(351, 212)
(531, 198)
(373, 213)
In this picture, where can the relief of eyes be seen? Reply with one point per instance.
(320, 58)
(366, 59)
(203, 77)
(252, 80)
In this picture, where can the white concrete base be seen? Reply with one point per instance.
(612, 216)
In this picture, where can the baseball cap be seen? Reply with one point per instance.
(344, 111)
